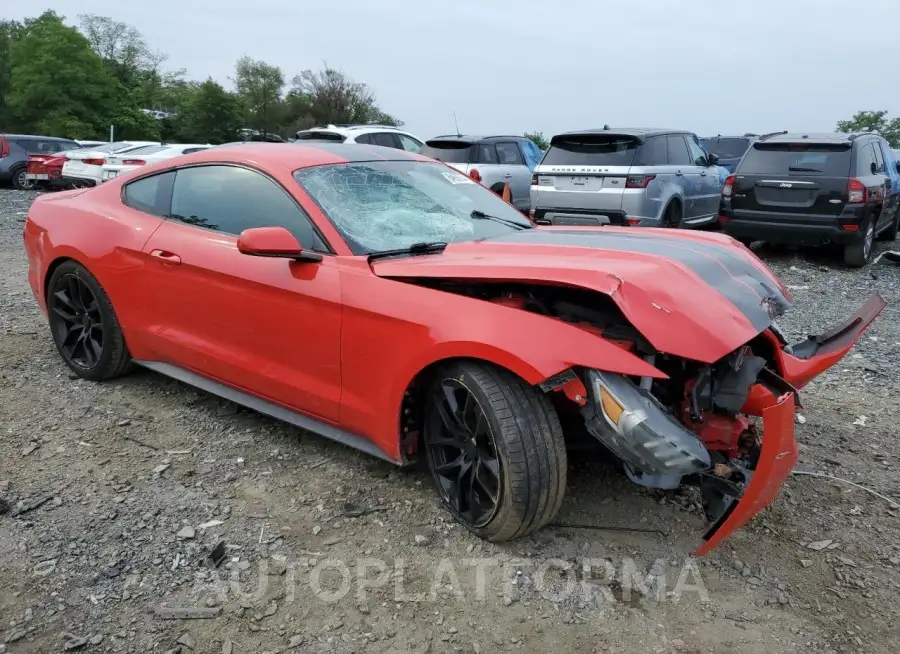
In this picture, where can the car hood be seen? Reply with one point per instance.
(691, 294)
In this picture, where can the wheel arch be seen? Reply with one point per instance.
(409, 409)
(674, 199)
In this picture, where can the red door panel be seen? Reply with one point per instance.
(268, 326)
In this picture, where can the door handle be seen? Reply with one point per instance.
(508, 175)
(167, 257)
(703, 174)
(678, 173)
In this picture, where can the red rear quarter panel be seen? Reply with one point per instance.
(95, 230)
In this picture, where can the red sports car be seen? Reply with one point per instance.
(389, 302)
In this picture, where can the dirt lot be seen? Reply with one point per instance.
(117, 492)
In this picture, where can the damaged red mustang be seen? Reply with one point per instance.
(389, 302)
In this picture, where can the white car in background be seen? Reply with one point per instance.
(122, 162)
(384, 135)
(84, 167)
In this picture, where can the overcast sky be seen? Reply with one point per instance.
(510, 66)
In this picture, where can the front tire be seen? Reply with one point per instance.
(859, 253)
(495, 449)
(84, 325)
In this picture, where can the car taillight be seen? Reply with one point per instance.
(633, 222)
(728, 187)
(4, 148)
(638, 181)
(134, 162)
(474, 174)
(94, 162)
(534, 180)
(857, 193)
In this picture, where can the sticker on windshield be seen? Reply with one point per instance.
(457, 178)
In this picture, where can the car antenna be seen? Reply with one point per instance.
(456, 122)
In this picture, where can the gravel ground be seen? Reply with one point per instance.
(116, 493)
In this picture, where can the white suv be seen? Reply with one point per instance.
(385, 135)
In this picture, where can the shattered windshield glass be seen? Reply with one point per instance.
(384, 205)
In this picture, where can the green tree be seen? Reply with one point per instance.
(58, 85)
(210, 114)
(875, 121)
(330, 96)
(10, 31)
(538, 139)
(259, 86)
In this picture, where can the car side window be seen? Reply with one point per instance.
(231, 199)
(409, 144)
(365, 138)
(678, 152)
(698, 156)
(150, 194)
(486, 154)
(654, 152)
(879, 158)
(193, 150)
(386, 140)
(864, 159)
(508, 153)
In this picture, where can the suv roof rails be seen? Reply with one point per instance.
(771, 134)
(749, 134)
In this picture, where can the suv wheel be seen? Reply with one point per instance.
(859, 253)
(890, 234)
(20, 180)
(672, 216)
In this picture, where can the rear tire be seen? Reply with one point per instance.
(507, 476)
(84, 325)
(672, 216)
(859, 253)
(20, 180)
(890, 234)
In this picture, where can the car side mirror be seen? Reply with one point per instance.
(274, 242)
(713, 159)
(898, 166)
(873, 167)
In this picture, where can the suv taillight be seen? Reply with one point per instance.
(4, 148)
(474, 174)
(638, 181)
(728, 186)
(857, 193)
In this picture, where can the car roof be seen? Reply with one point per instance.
(348, 130)
(640, 133)
(37, 136)
(295, 155)
(468, 138)
(814, 137)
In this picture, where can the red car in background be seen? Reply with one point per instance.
(45, 170)
(389, 302)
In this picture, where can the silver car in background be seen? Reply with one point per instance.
(494, 161)
(646, 177)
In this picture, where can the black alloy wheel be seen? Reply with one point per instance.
(77, 324)
(462, 454)
(84, 325)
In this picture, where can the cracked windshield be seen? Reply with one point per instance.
(383, 205)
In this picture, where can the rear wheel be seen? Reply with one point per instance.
(859, 253)
(495, 449)
(20, 180)
(84, 325)
(672, 216)
(890, 234)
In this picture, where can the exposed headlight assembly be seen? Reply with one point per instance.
(631, 423)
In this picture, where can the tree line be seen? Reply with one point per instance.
(75, 82)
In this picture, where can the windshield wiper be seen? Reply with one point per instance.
(415, 249)
(477, 214)
(801, 169)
